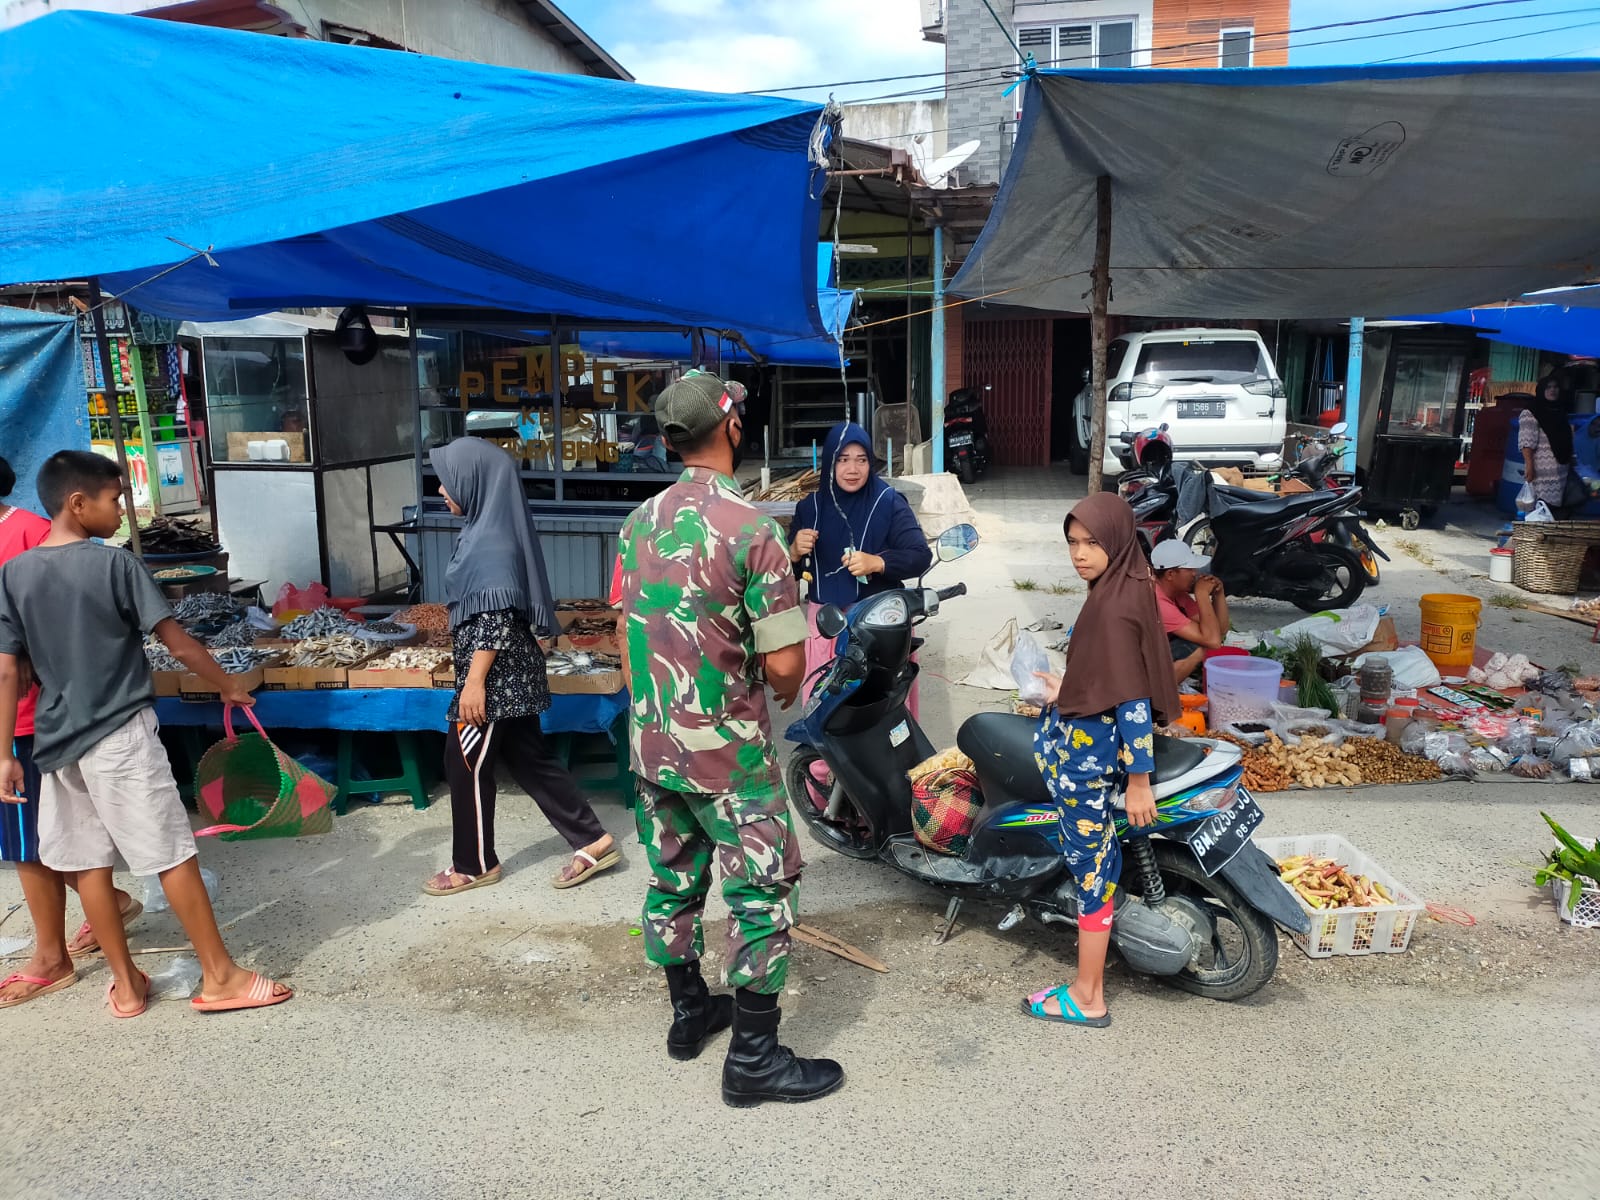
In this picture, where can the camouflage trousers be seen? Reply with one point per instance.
(759, 857)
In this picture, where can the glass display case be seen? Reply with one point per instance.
(258, 409)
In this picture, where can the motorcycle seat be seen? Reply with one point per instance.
(1001, 748)
(1272, 507)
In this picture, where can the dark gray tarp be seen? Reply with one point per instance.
(1299, 192)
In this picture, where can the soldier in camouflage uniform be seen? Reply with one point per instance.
(709, 603)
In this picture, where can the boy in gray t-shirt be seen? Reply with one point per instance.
(78, 611)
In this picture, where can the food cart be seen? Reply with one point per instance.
(306, 446)
(1414, 388)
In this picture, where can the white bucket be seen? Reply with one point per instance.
(1500, 565)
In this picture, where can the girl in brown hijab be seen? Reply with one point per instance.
(1098, 736)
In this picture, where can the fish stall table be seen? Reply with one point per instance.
(404, 712)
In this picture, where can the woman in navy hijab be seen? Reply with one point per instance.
(855, 535)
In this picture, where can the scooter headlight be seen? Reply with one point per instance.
(887, 614)
(1217, 799)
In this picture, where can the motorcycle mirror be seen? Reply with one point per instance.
(1340, 429)
(956, 542)
(831, 621)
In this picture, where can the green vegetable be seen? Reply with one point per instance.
(1574, 856)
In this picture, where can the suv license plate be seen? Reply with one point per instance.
(1219, 838)
(1202, 408)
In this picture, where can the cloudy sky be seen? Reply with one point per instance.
(742, 45)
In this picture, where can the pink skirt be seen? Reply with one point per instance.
(819, 652)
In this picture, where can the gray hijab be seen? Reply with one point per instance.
(497, 562)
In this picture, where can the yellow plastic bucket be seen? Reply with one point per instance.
(1450, 630)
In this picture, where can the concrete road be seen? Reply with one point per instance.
(508, 1042)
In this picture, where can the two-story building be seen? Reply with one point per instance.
(1032, 363)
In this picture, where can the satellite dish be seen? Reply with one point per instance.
(937, 174)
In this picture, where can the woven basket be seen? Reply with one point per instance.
(1549, 554)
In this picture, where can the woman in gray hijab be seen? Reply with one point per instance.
(499, 600)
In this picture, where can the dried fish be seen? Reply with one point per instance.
(381, 630)
(329, 651)
(205, 606)
(322, 622)
(159, 657)
(580, 662)
(430, 618)
(237, 634)
(581, 605)
(412, 658)
(239, 659)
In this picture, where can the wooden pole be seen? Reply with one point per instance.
(1097, 328)
(103, 345)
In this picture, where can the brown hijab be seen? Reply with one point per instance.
(1119, 648)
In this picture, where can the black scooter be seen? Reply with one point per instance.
(966, 435)
(1197, 902)
(1284, 547)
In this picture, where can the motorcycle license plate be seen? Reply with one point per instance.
(1202, 408)
(961, 439)
(1217, 839)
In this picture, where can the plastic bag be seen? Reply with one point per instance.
(1581, 741)
(155, 896)
(178, 978)
(1338, 633)
(1027, 658)
(293, 599)
(1355, 729)
(1526, 499)
(1412, 667)
(1541, 513)
(1292, 733)
(1288, 712)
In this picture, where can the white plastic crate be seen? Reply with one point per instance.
(1381, 929)
(1587, 914)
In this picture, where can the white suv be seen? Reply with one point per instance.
(1216, 390)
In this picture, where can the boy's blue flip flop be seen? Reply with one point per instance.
(1071, 1014)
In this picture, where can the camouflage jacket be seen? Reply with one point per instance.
(706, 587)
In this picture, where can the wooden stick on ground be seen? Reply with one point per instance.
(812, 936)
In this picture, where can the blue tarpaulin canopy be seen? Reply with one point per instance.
(820, 351)
(1541, 326)
(1298, 192)
(320, 175)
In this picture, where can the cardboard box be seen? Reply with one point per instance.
(445, 677)
(566, 618)
(595, 645)
(165, 682)
(1384, 639)
(600, 683)
(365, 677)
(326, 679)
(196, 690)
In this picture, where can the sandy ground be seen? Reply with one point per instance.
(508, 1042)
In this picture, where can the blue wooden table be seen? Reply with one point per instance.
(404, 712)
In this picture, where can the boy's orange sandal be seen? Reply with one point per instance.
(80, 948)
(44, 987)
(262, 993)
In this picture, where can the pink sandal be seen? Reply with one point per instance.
(111, 1000)
(129, 916)
(45, 986)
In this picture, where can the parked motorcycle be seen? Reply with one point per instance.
(1317, 465)
(1281, 546)
(966, 435)
(1197, 901)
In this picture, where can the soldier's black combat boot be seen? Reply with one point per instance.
(759, 1069)
(696, 1013)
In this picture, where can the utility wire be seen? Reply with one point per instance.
(1496, 41)
(1184, 45)
(1210, 55)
